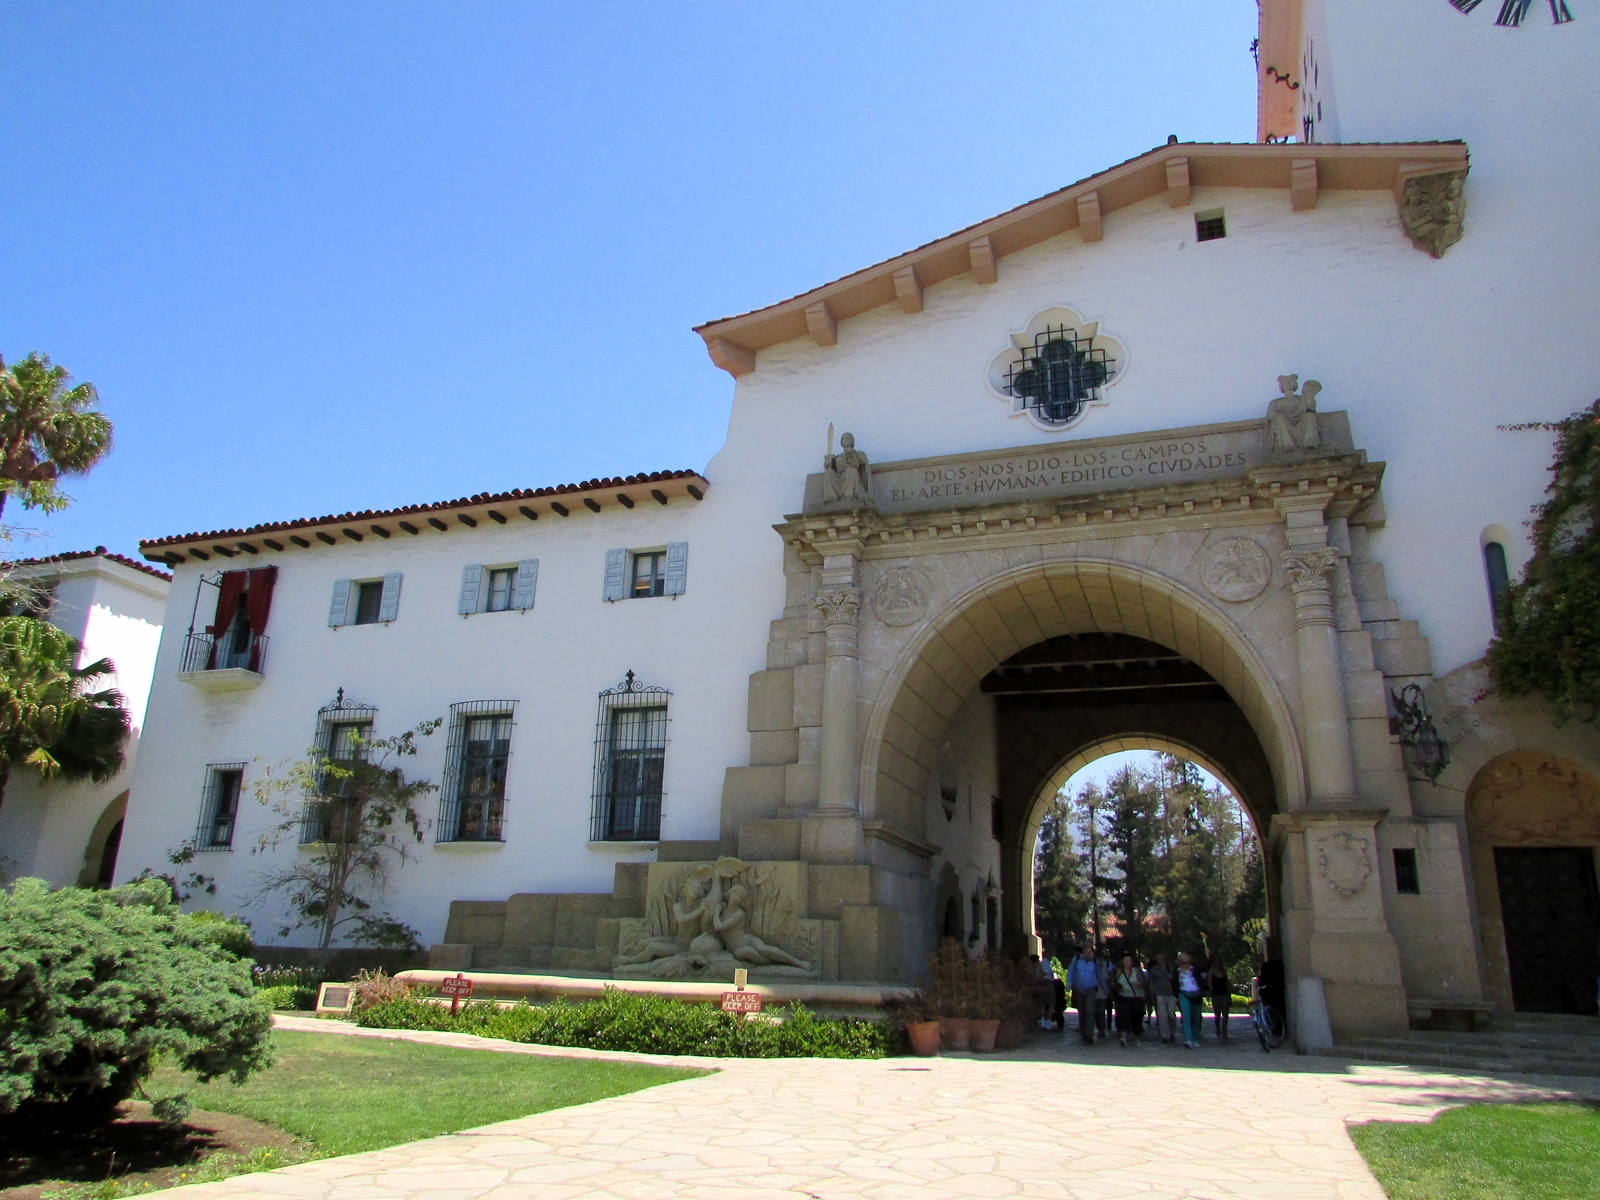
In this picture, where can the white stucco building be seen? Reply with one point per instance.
(1074, 469)
(68, 833)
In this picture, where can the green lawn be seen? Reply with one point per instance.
(1488, 1152)
(345, 1094)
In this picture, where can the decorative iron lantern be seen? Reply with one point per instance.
(1428, 750)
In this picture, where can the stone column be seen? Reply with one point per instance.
(840, 607)
(1330, 764)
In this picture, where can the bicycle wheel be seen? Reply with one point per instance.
(1258, 1018)
(1274, 1032)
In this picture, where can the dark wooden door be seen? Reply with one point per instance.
(1551, 910)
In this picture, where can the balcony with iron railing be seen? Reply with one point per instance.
(223, 663)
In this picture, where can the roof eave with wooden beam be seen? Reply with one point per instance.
(460, 517)
(1173, 170)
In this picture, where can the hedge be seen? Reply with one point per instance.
(647, 1024)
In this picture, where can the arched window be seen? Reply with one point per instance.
(1494, 566)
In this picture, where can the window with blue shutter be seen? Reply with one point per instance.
(339, 612)
(527, 583)
(389, 607)
(471, 581)
(616, 574)
(677, 568)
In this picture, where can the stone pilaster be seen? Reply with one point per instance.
(839, 603)
(1330, 765)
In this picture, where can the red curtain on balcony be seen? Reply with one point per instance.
(229, 591)
(258, 604)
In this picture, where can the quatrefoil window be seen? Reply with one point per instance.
(1057, 368)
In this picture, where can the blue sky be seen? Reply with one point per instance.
(321, 257)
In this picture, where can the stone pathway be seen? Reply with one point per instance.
(1056, 1120)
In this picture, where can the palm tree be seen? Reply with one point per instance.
(49, 718)
(47, 430)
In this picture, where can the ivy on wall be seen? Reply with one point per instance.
(1549, 631)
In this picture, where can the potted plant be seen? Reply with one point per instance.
(984, 1010)
(947, 988)
(922, 1029)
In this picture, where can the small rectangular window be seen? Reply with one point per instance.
(995, 825)
(219, 808)
(502, 587)
(473, 800)
(369, 602)
(1209, 226)
(1405, 873)
(649, 574)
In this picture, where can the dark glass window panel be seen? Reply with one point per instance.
(1209, 229)
(369, 602)
(1494, 566)
(485, 753)
(225, 806)
(637, 758)
(346, 743)
(1406, 879)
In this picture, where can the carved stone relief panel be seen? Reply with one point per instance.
(1236, 569)
(901, 597)
(1529, 798)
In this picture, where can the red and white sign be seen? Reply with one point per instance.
(741, 1002)
(458, 988)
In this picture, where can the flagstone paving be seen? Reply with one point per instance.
(1054, 1120)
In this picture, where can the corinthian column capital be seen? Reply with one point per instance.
(839, 606)
(1310, 570)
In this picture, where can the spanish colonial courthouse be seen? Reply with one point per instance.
(1199, 453)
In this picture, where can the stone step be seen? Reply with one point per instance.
(1464, 1052)
(1491, 1044)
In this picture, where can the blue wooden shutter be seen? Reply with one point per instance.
(527, 582)
(471, 581)
(677, 568)
(616, 569)
(389, 606)
(339, 612)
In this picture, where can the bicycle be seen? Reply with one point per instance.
(1269, 1025)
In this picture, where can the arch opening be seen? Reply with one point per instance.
(1067, 659)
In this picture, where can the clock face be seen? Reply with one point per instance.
(1513, 11)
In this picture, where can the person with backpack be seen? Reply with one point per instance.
(1191, 996)
(1221, 996)
(1084, 978)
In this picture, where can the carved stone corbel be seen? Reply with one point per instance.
(1433, 210)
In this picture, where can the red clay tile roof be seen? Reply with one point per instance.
(97, 552)
(151, 547)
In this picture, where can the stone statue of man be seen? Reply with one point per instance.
(846, 476)
(1292, 417)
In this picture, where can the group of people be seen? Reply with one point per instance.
(1130, 995)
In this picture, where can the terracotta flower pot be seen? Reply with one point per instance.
(983, 1035)
(924, 1037)
(1010, 1034)
(956, 1032)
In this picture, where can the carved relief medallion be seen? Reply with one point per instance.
(1236, 569)
(901, 597)
(1342, 860)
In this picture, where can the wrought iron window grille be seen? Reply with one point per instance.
(1210, 226)
(477, 758)
(1059, 375)
(630, 743)
(219, 806)
(344, 728)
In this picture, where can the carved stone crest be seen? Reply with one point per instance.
(901, 597)
(1236, 569)
(1433, 211)
(1343, 860)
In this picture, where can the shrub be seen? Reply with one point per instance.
(232, 934)
(94, 985)
(292, 997)
(379, 987)
(647, 1024)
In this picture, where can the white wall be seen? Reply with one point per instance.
(553, 660)
(116, 613)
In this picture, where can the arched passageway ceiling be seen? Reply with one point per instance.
(1015, 609)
